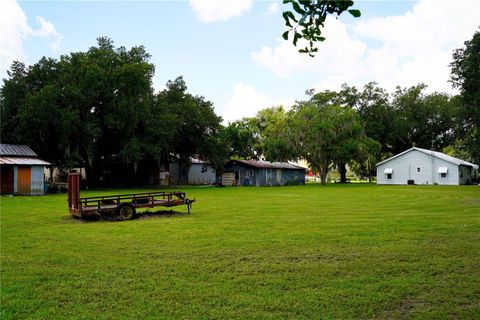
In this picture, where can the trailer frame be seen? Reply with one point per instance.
(123, 205)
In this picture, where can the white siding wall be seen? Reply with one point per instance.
(198, 174)
(405, 168)
(452, 174)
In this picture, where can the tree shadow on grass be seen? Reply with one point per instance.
(160, 214)
(138, 216)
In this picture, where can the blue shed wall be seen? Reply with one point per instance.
(266, 177)
(292, 177)
(36, 186)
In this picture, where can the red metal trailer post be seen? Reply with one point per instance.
(124, 205)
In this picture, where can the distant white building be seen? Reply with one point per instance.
(421, 166)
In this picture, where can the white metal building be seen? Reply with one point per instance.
(421, 166)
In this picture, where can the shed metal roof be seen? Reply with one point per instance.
(23, 161)
(436, 154)
(268, 165)
(16, 150)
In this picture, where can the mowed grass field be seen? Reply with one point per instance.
(308, 252)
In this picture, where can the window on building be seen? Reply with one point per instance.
(418, 169)
(389, 173)
(443, 171)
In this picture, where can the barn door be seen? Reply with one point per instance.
(24, 180)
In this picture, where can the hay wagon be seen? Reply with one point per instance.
(124, 205)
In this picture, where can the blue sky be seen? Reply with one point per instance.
(231, 51)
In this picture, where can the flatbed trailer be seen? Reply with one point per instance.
(124, 205)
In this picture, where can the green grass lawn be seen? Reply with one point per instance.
(313, 252)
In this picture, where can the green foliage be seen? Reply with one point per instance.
(366, 156)
(426, 121)
(457, 149)
(242, 136)
(195, 125)
(465, 75)
(325, 134)
(275, 140)
(97, 109)
(338, 252)
(307, 19)
(83, 108)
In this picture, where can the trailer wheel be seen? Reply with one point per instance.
(125, 211)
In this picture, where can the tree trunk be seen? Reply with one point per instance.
(89, 174)
(88, 163)
(323, 170)
(323, 178)
(342, 170)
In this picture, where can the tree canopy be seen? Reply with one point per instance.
(465, 75)
(97, 109)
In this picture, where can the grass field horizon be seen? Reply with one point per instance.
(355, 251)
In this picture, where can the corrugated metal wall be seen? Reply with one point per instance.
(228, 178)
(201, 174)
(268, 177)
(293, 177)
(28, 180)
(260, 177)
(37, 188)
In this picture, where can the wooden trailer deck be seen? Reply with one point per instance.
(123, 205)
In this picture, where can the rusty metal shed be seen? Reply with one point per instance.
(263, 173)
(21, 170)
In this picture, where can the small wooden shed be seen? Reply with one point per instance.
(21, 170)
(262, 173)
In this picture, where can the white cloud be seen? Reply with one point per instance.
(219, 10)
(13, 24)
(396, 50)
(273, 8)
(15, 30)
(246, 102)
(336, 55)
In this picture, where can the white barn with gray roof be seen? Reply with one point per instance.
(422, 166)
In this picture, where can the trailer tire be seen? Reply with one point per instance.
(125, 211)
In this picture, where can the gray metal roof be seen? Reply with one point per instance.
(16, 150)
(268, 165)
(436, 154)
(23, 161)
